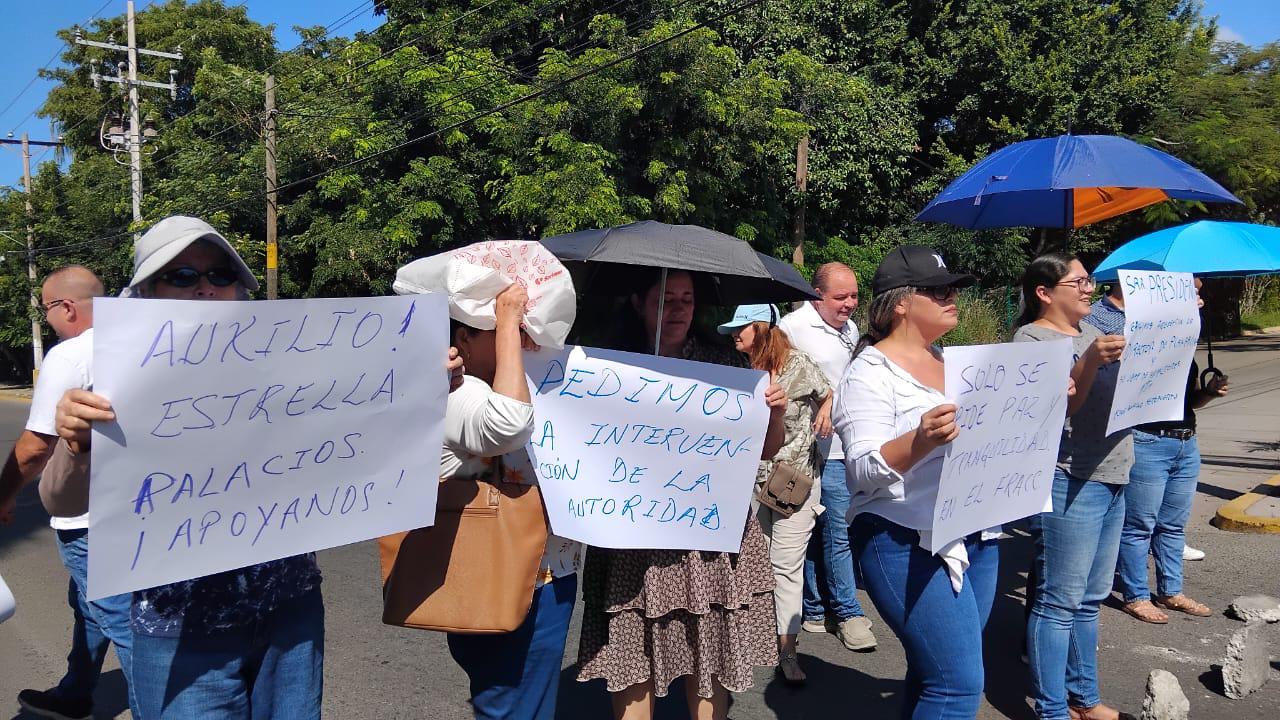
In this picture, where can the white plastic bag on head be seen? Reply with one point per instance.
(474, 275)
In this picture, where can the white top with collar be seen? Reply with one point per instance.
(830, 348)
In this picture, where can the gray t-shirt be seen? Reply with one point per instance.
(1087, 452)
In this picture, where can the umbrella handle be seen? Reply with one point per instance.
(1210, 373)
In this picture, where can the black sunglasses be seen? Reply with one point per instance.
(941, 293)
(185, 277)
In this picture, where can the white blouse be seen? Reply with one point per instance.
(479, 424)
(878, 401)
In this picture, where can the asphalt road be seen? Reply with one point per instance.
(374, 671)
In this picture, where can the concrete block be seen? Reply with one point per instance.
(1255, 608)
(1248, 662)
(1165, 699)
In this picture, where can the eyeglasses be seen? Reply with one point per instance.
(1083, 284)
(942, 293)
(46, 307)
(185, 277)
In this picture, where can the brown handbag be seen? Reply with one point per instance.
(786, 490)
(474, 571)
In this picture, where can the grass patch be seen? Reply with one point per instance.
(1260, 320)
(982, 320)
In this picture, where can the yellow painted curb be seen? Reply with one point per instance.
(1234, 515)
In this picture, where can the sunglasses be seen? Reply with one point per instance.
(942, 293)
(47, 307)
(185, 277)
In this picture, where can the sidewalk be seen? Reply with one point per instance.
(15, 391)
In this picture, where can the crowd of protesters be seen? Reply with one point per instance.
(863, 416)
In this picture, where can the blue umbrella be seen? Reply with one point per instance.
(1068, 181)
(1207, 248)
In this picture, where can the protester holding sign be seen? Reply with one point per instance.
(489, 419)
(1076, 543)
(756, 333)
(247, 643)
(1162, 485)
(895, 423)
(651, 616)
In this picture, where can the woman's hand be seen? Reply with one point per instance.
(1071, 386)
(510, 305)
(1217, 386)
(1106, 349)
(775, 396)
(937, 427)
(77, 411)
(453, 365)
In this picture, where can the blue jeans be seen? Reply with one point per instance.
(1075, 559)
(1157, 503)
(516, 675)
(829, 581)
(273, 668)
(940, 629)
(97, 625)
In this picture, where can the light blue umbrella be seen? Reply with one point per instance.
(1207, 248)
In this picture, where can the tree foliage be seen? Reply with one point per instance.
(389, 147)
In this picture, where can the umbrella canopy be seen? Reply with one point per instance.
(1207, 248)
(618, 260)
(1068, 181)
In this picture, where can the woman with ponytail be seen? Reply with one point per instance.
(895, 423)
(756, 334)
(1076, 544)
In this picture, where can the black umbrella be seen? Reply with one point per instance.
(618, 260)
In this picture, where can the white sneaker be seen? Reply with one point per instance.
(816, 625)
(1190, 553)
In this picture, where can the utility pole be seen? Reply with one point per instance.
(272, 249)
(37, 337)
(802, 191)
(135, 135)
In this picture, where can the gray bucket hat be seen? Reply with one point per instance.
(171, 236)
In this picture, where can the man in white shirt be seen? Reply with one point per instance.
(823, 329)
(67, 302)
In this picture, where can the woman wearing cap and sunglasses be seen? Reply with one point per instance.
(895, 424)
(756, 334)
(246, 643)
(1076, 544)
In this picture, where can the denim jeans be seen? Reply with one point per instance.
(271, 669)
(1075, 559)
(97, 625)
(829, 582)
(1157, 503)
(516, 675)
(940, 629)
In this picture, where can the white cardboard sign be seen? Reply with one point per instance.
(1161, 329)
(252, 431)
(645, 452)
(1011, 401)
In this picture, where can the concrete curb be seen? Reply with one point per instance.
(1234, 515)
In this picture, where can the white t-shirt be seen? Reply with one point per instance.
(830, 348)
(480, 423)
(68, 365)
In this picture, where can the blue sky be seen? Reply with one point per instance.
(27, 42)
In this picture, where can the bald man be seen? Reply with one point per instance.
(67, 302)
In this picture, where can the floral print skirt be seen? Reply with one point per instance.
(656, 615)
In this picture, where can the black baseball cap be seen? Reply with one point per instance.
(916, 266)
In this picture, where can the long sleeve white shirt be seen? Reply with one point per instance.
(877, 402)
(479, 424)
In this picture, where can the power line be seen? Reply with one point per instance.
(36, 77)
